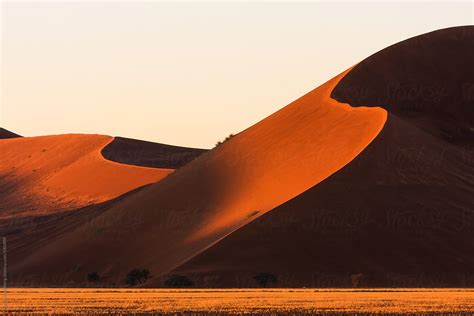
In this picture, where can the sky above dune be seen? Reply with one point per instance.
(186, 73)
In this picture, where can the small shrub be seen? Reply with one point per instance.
(264, 279)
(137, 276)
(93, 277)
(179, 281)
(226, 139)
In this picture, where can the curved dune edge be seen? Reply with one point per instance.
(342, 131)
(169, 222)
(59, 172)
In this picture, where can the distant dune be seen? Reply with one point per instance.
(367, 177)
(148, 154)
(7, 134)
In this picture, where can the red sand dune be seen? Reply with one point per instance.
(171, 221)
(316, 192)
(40, 175)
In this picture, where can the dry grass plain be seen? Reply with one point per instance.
(52, 301)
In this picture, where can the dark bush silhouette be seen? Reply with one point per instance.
(137, 276)
(179, 281)
(264, 279)
(93, 277)
(226, 139)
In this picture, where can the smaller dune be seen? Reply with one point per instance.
(40, 175)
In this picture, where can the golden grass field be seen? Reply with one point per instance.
(241, 301)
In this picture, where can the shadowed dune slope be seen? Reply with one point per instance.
(7, 134)
(149, 154)
(169, 222)
(40, 175)
(427, 80)
(401, 213)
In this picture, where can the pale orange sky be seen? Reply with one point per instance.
(186, 73)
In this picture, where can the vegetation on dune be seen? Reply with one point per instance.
(226, 139)
(137, 276)
(265, 279)
(179, 281)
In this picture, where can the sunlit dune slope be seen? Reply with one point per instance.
(39, 175)
(7, 134)
(171, 221)
(401, 213)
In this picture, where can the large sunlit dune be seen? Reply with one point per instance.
(40, 175)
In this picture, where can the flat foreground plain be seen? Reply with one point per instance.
(240, 301)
